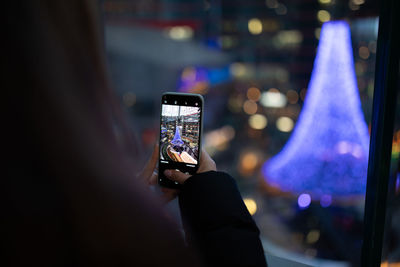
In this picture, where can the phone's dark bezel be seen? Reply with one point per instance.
(180, 99)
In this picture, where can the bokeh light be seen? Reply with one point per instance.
(250, 107)
(323, 16)
(238, 69)
(273, 99)
(255, 26)
(284, 124)
(258, 121)
(248, 162)
(292, 96)
(312, 236)
(363, 52)
(326, 200)
(304, 200)
(253, 94)
(324, 1)
(251, 205)
(180, 33)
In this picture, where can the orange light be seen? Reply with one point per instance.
(249, 161)
(250, 107)
(253, 93)
(251, 205)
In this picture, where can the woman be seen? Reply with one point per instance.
(71, 196)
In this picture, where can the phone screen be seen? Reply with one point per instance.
(180, 130)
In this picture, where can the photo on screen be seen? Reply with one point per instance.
(179, 139)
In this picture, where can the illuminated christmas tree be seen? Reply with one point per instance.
(327, 154)
(177, 141)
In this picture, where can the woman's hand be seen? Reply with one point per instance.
(206, 164)
(150, 172)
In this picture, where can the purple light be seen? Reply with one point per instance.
(193, 79)
(327, 154)
(177, 138)
(198, 79)
(326, 201)
(304, 201)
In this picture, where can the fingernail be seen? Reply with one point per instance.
(167, 173)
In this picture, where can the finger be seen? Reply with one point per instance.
(153, 178)
(151, 164)
(176, 176)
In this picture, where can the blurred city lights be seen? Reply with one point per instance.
(326, 200)
(353, 6)
(390, 264)
(194, 80)
(270, 25)
(238, 69)
(358, 2)
(227, 42)
(218, 139)
(284, 124)
(253, 93)
(312, 236)
(292, 96)
(250, 107)
(251, 205)
(129, 99)
(304, 200)
(248, 162)
(363, 52)
(255, 26)
(288, 38)
(258, 121)
(273, 99)
(323, 16)
(180, 33)
(324, 1)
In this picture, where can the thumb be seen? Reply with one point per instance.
(176, 176)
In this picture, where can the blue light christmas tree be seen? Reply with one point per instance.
(177, 141)
(327, 153)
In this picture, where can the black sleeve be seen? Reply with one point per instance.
(217, 222)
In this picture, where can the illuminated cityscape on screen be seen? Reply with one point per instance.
(327, 154)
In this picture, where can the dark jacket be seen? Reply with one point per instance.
(218, 223)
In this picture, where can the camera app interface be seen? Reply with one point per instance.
(180, 126)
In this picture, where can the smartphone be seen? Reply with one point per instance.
(180, 135)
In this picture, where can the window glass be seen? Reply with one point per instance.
(391, 245)
(288, 89)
